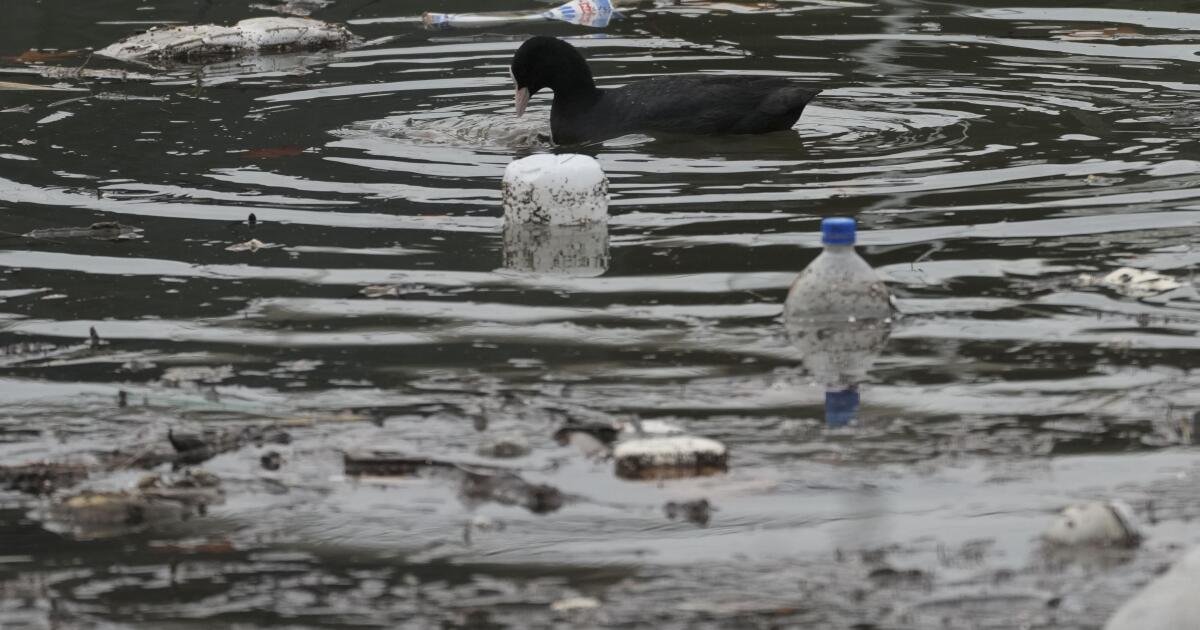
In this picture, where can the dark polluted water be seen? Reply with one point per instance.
(995, 156)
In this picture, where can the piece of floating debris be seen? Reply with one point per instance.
(10, 85)
(476, 483)
(568, 604)
(505, 447)
(104, 231)
(209, 41)
(698, 512)
(547, 189)
(294, 7)
(1109, 523)
(42, 477)
(1132, 282)
(195, 448)
(594, 13)
(59, 72)
(1167, 603)
(251, 245)
(670, 457)
(157, 501)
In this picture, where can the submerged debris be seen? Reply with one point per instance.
(251, 245)
(211, 41)
(10, 85)
(476, 483)
(1132, 282)
(698, 511)
(158, 500)
(670, 457)
(1109, 523)
(42, 477)
(104, 231)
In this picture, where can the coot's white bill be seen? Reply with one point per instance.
(522, 99)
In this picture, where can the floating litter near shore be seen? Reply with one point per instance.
(550, 189)
(1167, 603)
(670, 457)
(1096, 523)
(594, 13)
(199, 41)
(1130, 282)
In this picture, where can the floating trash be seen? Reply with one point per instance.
(1131, 282)
(568, 604)
(1167, 603)
(670, 457)
(198, 42)
(104, 231)
(552, 189)
(594, 13)
(838, 314)
(157, 501)
(251, 245)
(1096, 523)
(698, 511)
(476, 483)
(42, 477)
(505, 447)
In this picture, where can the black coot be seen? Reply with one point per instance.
(700, 104)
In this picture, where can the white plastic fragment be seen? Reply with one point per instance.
(555, 189)
(1132, 282)
(212, 40)
(671, 456)
(1095, 523)
(575, 603)
(1167, 603)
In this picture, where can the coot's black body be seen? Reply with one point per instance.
(698, 104)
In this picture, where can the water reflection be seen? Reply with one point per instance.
(562, 250)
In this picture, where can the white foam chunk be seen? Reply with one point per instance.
(1095, 523)
(566, 189)
(1167, 603)
(668, 451)
(254, 34)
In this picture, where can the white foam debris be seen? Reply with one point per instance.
(1095, 523)
(1167, 603)
(550, 189)
(575, 603)
(212, 40)
(1132, 282)
(648, 428)
(669, 456)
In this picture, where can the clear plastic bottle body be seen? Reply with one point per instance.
(839, 286)
(838, 313)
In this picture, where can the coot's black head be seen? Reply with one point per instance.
(548, 62)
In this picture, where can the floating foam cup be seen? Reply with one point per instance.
(549, 189)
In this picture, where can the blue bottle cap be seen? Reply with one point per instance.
(841, 407)
(837, 231)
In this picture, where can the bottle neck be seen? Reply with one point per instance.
(837, 249)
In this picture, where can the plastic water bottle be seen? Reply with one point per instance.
(838, 314)
(839, 286)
